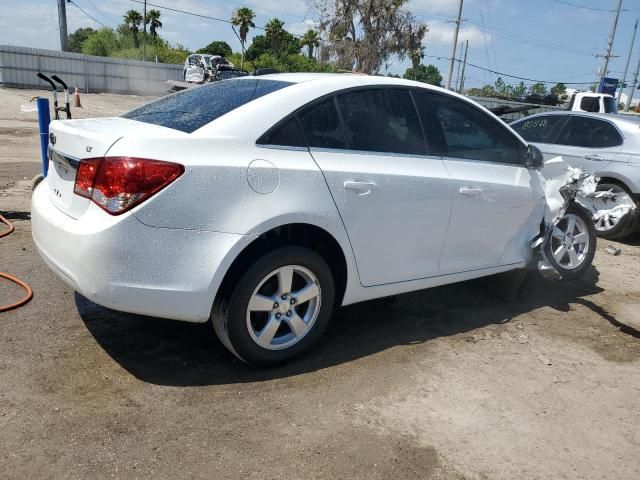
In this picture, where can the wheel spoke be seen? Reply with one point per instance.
(268, 332)
(260, 303)
(306, 294)
(298, 327)
(557, 233)
(559, 253)
(285, 279)
(580, 238)
(573, 257)
(571, 224)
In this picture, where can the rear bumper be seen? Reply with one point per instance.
(120, 263)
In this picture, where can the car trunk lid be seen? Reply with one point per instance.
(75, 140)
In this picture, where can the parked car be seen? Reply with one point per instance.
(606, 145)
(201, 67)
(265, 202)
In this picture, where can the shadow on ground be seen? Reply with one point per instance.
(167, 352)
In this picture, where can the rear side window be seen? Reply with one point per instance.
(539, 129)
(321, 125)
(381, 120)
(610, 105)
(287, 134)
(590, 104)
(459, 130)
(193, 108)
(589, 133)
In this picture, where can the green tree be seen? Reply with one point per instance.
(243, 18)
(424, 73)
(276, 41)
(519, 90)
(132, 20)
(311, 40)
(217, 47)
(77, 38)
(560, 90)
(153, 19)
(101, 43)
(538, 89)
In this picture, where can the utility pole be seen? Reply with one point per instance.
(626, 67)
(144, 32)
(612, 36)
(455, 44)
(458, 67)
(62, 23)
(633, 87)
(464, 65)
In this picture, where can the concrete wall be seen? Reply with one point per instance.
(20, 65)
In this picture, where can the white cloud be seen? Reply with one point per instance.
(440, 32)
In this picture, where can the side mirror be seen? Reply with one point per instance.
(535, 159)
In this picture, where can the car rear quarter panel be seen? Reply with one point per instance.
(214, 193)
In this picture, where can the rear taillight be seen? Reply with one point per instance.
(117, 184)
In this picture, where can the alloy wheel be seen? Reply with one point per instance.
(283, 307)
(570, 241)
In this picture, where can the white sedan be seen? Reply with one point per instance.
(265, 202)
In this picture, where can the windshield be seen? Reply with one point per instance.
(207, 61)
(610, 105)
(193, 108)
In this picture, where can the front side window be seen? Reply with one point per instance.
(539, 129)
(193, 108)
(457, 129)
(589, 133)
(381, 120)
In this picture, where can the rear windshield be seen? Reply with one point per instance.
(193, 108)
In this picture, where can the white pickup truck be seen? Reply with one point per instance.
(592, 102)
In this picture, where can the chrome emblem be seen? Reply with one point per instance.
(52, 138)
(88, 149)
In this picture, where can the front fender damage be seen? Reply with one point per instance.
(564, 185)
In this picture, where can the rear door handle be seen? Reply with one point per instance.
(595, 158)
(362, 188)
(470, 191)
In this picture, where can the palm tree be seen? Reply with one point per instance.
(243, 18)
(311, 40)
(132, 20)
(153, 19)
(416, 57)
(275, 31)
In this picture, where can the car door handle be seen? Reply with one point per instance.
(470, 191)
(595, 158)
(362, 188)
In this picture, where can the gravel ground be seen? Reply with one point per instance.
(447, 383)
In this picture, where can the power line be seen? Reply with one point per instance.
(595, 9)
(502, 74)
(88, 15)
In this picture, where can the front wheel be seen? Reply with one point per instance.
(572, 244)
(279, 307)
(614, 226)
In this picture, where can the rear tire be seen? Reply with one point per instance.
(278, 308)
(624, 225)
(565, 250)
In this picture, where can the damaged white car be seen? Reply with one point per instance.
(265, 202)
(203, 68)
(607, 146)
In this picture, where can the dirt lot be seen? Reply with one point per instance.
(447, 383)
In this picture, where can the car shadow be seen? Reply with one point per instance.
(173, 353)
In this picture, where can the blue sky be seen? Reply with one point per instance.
(542, 39)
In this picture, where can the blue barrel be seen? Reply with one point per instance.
(44, 118)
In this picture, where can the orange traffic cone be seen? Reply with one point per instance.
(76, 98)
